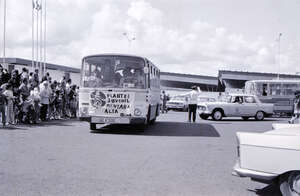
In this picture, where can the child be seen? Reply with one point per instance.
(35, 96)
(3, 103)
(10, 104)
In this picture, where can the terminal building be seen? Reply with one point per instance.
(226, 81)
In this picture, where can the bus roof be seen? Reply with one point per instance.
(275, 81)
(120, 55)
(114, 54)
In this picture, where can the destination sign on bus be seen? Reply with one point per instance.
(111, 103)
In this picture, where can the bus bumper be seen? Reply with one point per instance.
(86, 118)
(116, 120)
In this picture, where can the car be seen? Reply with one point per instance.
(237, 105)
(271, 157)
(202, 100)
(177, 103)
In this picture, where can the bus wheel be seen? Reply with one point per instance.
(152, 121)
(259, 115)
(92, 126)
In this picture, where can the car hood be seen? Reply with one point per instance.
(212, 103)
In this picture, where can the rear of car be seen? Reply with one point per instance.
(270, 157)
(177, 104)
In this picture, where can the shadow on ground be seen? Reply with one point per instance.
(49, 123)
(163, 129)
(269, 190)
(241, 120)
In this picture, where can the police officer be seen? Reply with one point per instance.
(192, 100)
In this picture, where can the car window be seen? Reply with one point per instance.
(236, 99)
(249, 99)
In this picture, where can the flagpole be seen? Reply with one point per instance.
(41, 37)
(45, 27)
(32, 47)
(4, 32)
(37, 36)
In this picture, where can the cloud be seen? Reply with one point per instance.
(78, 28)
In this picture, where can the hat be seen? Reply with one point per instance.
(297, 92)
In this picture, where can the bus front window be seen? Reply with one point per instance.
(113, 72)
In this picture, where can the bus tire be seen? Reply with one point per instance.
(260, 115)
(148, 115)
(93, 126)
(152, 121)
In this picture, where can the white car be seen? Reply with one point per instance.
(237, 105)
(177, 103)
(271, 157)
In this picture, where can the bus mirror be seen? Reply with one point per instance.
(146, 70)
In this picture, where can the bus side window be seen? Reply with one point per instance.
(265, 90)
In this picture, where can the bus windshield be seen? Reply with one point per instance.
(113, 72)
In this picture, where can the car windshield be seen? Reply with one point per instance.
(113, 71)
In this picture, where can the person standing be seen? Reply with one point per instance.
(45, 95)
(296, 108)
(164, 98)
(3, 102)
(192, 100)
(10, 104)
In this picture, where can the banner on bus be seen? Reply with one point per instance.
(111, 103)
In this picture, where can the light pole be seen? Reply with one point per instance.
(129, 38)
(280, 34)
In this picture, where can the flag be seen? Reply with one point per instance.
(36, 5)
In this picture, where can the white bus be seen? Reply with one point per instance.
(278, 92)
(119, 89)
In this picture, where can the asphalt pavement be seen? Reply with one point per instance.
(172, 157)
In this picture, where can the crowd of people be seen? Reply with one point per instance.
(24, 98)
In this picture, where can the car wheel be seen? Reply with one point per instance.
(259, 115)
(217, 115)
(203, 116)
(92, 126)
(290, 184)
(245, 118)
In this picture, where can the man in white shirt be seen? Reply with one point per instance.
(192, 100)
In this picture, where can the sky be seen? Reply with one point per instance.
(182, 36)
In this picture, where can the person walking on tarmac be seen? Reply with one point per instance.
(164, 98)
(296, 108)
(192, 100)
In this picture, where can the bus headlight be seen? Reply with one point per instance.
(84, 111)
(137, 112)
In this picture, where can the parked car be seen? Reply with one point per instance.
(237, 105)
(202, 100)
(177, 103)
(271, 157)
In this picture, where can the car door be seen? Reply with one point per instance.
(235, 104)
(249, 106)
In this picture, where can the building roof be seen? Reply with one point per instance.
(274, 75)
(25, 62)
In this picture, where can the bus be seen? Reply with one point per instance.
(278, 92)
(119, 89)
